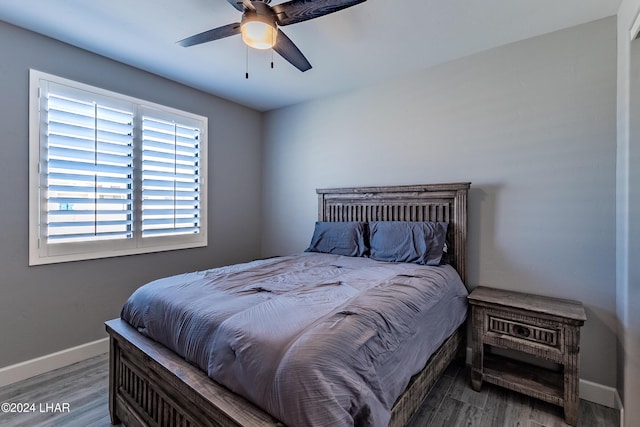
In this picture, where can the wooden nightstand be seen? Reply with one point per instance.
(546, 328)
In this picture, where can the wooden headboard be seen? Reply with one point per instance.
(430, 202)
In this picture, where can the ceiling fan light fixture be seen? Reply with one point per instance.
(258, 31)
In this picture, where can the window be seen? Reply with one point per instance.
(111, 175)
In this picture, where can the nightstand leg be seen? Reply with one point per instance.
(476, 379)
(571, 399)
(571, 377)
(477, 350)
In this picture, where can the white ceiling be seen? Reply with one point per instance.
(370, 42)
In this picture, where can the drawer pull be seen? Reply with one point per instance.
(521, 331)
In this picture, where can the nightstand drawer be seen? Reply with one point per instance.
(520, 331)
(524, 331)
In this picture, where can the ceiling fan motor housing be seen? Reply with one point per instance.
(258, 25)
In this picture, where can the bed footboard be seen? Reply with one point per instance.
(149, 385)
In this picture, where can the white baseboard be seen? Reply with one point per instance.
(600, 394)
(40, 365)
(593, 392)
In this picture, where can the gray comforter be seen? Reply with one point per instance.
(313, 339)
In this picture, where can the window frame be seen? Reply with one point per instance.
(40, 252)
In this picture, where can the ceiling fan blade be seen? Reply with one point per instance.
(211, 35)
(295, 11)
(237, 4)
(289, 51)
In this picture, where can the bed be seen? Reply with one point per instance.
(152, 385)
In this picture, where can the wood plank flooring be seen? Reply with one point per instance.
(84, 386)
(451, 403)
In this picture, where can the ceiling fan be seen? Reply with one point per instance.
(260, 22)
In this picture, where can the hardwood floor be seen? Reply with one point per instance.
(453, 403)
(84, 386)
(83, 390)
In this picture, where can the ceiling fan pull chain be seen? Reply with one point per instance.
(246, 75)
(272, 59)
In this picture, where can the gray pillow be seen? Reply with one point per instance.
(339, 238)
(401, 241)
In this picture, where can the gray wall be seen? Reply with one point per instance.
(49, 308)
(632, 324)
(531, 125)
(628, 212)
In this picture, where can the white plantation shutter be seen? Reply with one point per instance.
(111, 175)
(89, 171)
(170, 178)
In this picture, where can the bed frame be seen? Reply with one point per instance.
(149, 385)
